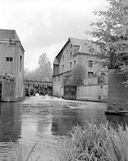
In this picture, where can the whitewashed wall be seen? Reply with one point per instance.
(93, 92)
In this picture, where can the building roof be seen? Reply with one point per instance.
(74, 41)
(6, 34)
(56, 62)
(9, 35)
(84, 47)
(78, 42)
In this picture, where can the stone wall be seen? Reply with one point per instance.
(8, 89)
(93, 93)
(117, 91)
(58, 90)
(11, 47)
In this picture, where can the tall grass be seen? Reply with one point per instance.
(93, 143)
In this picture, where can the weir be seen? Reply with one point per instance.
(32, 87)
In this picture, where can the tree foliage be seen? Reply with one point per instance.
(110, 33)
(44, 69)
(42, 72)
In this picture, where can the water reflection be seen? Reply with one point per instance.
(10, 124)
(116, 120)
(68, 118)
(45, 121)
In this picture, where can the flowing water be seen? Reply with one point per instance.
(42, 120)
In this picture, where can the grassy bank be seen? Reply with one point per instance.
(93, 143)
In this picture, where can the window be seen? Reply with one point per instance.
(91, 50)
(71, 45)
(70, 65)
(70, 55)
(90, 74)
(90, 63)
(9, 65)
(62, 68)
(9, 58)
(58, 78)
(20, 63)
(102, 74)
(74, 63)
(63, 57)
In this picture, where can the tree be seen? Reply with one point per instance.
(42, 72)
(44, 69)
(78, 75)
(110, 34)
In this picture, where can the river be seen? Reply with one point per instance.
(42, 120)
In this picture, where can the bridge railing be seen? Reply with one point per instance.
(33, 82)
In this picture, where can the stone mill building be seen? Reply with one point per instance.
(79, 55)
(11, 66)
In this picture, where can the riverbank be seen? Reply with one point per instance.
(93, 143)
(43, 120)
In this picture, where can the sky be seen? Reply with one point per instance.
(44, 26)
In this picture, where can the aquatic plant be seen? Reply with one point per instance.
(92, 143)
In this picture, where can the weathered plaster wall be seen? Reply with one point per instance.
(10, 46)
(92, 92)
(57, 86)
(19, 73)
(117, 92)
(8, 89)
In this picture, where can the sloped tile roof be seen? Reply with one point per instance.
(78, 42)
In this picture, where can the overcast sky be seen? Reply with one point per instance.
(45, 25)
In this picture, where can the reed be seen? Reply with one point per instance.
(92, 143)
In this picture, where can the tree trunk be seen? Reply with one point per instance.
(117, 92)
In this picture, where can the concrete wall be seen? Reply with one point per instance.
(117, 92)
(89, 92)
(58, 86)
(6, 50)
(92, 92)
(8, 89)
(19, 73)
(58, 91)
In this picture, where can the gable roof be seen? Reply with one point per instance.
(74, 41)
(10, 35)
(78, 42)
